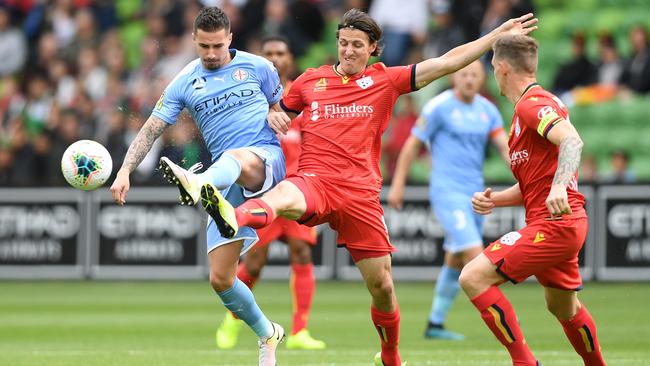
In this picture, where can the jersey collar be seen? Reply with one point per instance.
(528, 88)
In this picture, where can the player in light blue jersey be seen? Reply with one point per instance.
(456, 126)
(228, 94)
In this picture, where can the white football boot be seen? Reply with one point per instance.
(269, 344)
(186, 180)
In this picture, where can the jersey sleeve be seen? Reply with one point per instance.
(269, 81)
(427, 123)
(539, 113)
(293, 101)
(402, 78)
(171, 102)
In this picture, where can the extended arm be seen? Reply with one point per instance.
(139, 148)
(501, 142)
(461, 56)
(484, 202)
(406, 156)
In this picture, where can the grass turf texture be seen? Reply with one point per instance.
(173, 323)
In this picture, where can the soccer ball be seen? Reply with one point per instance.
(86, 165)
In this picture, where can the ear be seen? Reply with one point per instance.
(373, 47)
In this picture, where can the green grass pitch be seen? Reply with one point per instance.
(173, 323)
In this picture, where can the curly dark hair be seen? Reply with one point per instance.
(211, 19)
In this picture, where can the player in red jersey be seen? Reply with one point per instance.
(299, 238)
(544, 158)
(345, 109)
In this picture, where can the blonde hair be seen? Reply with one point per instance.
(518, 50)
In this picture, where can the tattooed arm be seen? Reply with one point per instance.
(139, 148)
(566, 136)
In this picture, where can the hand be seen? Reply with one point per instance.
(482, 202)
(396, 197)
(522, 25)
(279, 122)
(120, 187)
(557, 201)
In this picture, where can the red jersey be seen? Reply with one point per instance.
(291, 145)
(533, 159)
(344, 118)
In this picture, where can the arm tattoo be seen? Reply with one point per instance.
(568, 160)
(139, 148)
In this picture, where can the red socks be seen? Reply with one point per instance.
(254, 213)
(500, 317)
(302, 285)
(581, 331)
(387, 325)
(247, 278)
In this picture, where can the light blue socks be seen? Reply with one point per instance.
(223, 173)
(240, 300)
(446, 290)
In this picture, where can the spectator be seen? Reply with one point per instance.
(13, 46)
(404, 26)
(588, 169)
(620, 172)
(610, 66)
(636, 73)
(447, 33)
(577, 72)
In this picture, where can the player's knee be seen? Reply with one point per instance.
(468, 279)
(300, 254)
(561, 309)
(221, 282)
(381, 288)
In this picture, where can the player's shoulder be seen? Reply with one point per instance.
(188, 71)
(315, 73)
(438, 101)
(255, 60)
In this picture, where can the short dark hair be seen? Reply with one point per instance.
(211, 19)
(357, 19)
(520, 51)
(275, 38)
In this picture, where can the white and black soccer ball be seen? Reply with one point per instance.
(86, 165)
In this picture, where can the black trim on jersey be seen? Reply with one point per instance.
(413, 86)
(551, 125)
(287, 109)
(528, 88)
(503, 274)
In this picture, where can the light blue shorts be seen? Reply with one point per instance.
(236, 195)
(463, 227)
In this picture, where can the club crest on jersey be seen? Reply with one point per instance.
(199, 83)
(321, 85)
(240, 75)
(365, 82)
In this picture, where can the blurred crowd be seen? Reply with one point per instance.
(94, 69)
(585, 80)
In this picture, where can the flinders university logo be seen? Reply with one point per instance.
(365, 82)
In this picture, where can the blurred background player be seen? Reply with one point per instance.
(545, 153)
(299, 238)
(346, 107)
(228, 93)
(456, 127)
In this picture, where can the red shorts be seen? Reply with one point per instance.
(546, 249)
(283, 229)
(355, 214)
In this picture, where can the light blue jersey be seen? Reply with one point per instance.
(229, 104)
(457, 133)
